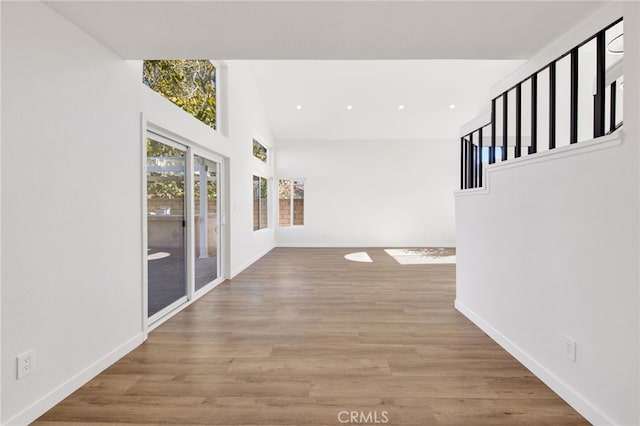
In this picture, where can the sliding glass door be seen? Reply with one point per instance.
(184, 224)
(166, 227)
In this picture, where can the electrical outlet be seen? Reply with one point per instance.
(25, 364)
(569, 348)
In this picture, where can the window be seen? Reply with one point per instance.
(184, 231)
(291, 202)
(259, 151)
(190, 84)
(485, 153)
(260, 203)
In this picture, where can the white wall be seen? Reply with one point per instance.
(550, 249)
(372, 193)
(632, 127)
(71, 200)
(632, 66)
(246, 121)
(0, 224)
(70, 207)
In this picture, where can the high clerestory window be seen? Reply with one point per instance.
(260, 151)
(188, 83)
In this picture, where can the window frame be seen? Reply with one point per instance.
(292, 182)
(267, 180)
(267, 150)
(192, 148)
(219, 114)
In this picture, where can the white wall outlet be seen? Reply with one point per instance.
(25, 363)
(569, 348)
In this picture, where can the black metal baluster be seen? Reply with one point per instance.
(573, 133)
(612, 109)
(533, 146)
(552, 105)
(462, 163)
(480, 156)
(598, 99)
(492, 150)
(518, 149)
(469, 163)
(505, 127)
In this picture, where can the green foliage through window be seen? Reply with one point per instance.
(259, 151)
(190, 84)
(165, 171)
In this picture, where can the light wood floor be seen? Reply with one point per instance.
(304, 334)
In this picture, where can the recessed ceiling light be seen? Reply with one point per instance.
(400, 106)
(452, 106)
(299, 107)
(349, 107)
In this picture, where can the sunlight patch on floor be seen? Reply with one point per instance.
(158, 255)
(361, 256)
(420, 256)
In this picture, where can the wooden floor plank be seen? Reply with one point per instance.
(304, 336)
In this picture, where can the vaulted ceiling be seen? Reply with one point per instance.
(399, 64)
(325, 29)
(390, 100)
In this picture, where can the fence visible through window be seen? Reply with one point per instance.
(291, 202)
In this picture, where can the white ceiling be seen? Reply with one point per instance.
(325, 29)
(375, 90)
(374, 55)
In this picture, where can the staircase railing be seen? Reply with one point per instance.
(551, 107)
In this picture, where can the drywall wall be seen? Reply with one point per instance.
(247, 121)
(0, 226)
(550, 249)
(71, 200)
(632, 127)
(70, 207)
(372, 193)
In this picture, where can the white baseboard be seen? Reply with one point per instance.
(566, 392)
(362, 245)
(42, 405)
(250, 262)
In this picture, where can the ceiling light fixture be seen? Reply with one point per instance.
(349, 107)
(452, 106)
(400, 106)
(299, 107)
(616, 45)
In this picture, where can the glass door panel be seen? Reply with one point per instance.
(206, 221)
(165, 227)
